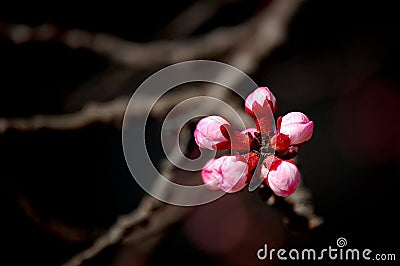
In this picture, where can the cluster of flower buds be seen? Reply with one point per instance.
(233, 172)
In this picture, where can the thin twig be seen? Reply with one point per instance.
(193, 17)
(56, 227)
(91, 113)
(101, 87)
(143, 214)
(145, 209)
(110, 81)
(297, 209)
(302, 205)
(119, 50)
(108, 112)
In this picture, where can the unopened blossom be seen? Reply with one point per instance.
(231, 173)
(259, 100)
(296, 126)
(209, 133)
(282, 177)
(228, 173)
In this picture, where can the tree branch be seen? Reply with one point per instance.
(193, 17)
(56, 227)
(145, 209)
(122, 51)
(108, 112)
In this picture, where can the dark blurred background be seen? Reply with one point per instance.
(339, 65)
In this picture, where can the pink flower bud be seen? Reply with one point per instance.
(297, 126)
(209, 135)
(260, 99)
(228, 173)
(283, 177)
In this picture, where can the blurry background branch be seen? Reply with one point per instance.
(263, 34)
(107, 112)
(210, 45)
(215, 43)
(47, 223)
(193, 17)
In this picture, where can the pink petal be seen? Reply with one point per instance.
(208, 132)
(227, 173)
(263, 97)
(284, 179)
(297, 126)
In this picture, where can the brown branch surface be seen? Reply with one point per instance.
(107, 112)
(122, 51)
(297, 209)
(93, 112)
(193, 17)
(145, 209)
